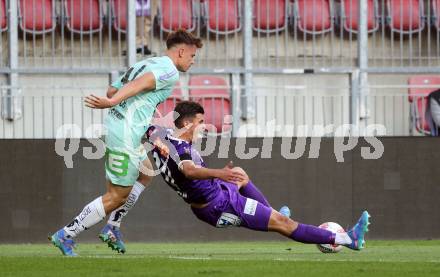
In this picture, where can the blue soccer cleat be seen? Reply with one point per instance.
(112, 236)
(66, 245)
(285, 211)
(357, 233)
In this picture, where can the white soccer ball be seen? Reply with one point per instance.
(330, 248)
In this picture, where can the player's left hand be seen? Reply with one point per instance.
(97, 102)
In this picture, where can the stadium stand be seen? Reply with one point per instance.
(270, 16)
(3, 16)
(418, 98)
(313, 17)
(222, 17)
(83, 16)
(166, 107)
(349, 13)
(175, 14)
(37, 16)
(213, 94)
(119, 15)
(273, 48)
(405, 17)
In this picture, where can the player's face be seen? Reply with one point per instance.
(197, 127)
(187, 54)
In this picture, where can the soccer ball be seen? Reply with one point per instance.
(330, 248)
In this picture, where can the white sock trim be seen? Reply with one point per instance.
(342, 239)
(138, 187)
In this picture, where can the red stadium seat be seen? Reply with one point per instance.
(350, 15)
(3, 16)
(162, 115)
(175, 14)
(405, 16)
(418, 97)
(270, 16)
(435, 14)
(222, 16)
(313, 16)
(213, 94)
(37, 16)
(83, 16)
(119, 15)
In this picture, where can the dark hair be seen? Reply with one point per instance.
(182, 36)
(186, 109)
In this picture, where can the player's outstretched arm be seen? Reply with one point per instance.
(146, 82)
(191, 171)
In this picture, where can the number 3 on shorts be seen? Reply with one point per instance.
(116, 162)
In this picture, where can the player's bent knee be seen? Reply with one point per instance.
(241, 170)
(118, 197)
(118, 200)
(112, 200)
(281, 224)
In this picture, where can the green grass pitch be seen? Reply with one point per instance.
(284, 258)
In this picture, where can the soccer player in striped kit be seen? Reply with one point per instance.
(226, 197)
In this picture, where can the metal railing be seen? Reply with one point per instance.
(295, 106)
(402, 109)
(75, 34)
(39, 116)
(408, 35)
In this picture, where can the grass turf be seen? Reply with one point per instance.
(380, 258)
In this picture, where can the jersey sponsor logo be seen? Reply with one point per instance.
(227, 219)
(123, 104)
(117, 162)
(250, 207)
(116, 114)
(167, 76)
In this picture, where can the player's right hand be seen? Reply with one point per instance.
(97, 102)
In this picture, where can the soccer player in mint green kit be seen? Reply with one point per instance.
(132, 101)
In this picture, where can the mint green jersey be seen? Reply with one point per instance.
(133, 115)
(127, 122)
